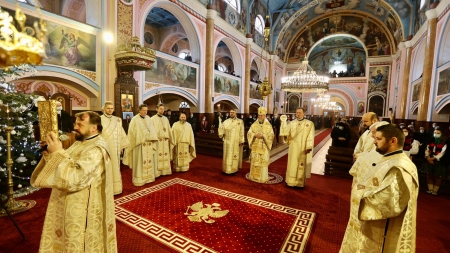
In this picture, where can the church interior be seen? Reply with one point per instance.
(207, 57)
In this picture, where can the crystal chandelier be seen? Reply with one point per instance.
(17, 47)
(305, 80)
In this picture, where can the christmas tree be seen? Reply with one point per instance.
(18, 111)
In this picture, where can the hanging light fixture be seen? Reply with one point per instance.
(17, 47)
(323, 101)
(305, 80)
(265, 88)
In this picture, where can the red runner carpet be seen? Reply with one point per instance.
(328, 197)
(248, 224)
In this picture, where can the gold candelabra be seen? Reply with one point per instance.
(11, 204)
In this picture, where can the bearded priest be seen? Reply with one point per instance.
(232, 133)
(260, 138)
(184, 144)
(299, 135)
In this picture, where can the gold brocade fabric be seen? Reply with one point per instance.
(80, 213)
(260, 156)
(299, 134)
(232, 133)
(116, 140)
(164, 145)
(388, 194)
(365, 144)
(139, 156)
(184, 150)
(363, 167)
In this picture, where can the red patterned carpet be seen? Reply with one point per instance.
(327, 197)
(247, 224)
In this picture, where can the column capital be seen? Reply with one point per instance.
(249, 39)
(431, 14)
(211, 13)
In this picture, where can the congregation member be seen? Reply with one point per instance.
(164, 145)
(80, 213)
(116, 140)
(299, 135)
(365, 142)
(260, 137)
(184, 144)
(435, 169)
(276, 123)
(411, 146)
(431, 129)
(193, 121)
(232, 133)
(340, 135)
(139, 156)
(383, 207)
(64, 122)
(422, 137)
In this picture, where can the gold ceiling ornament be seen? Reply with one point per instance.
(200, 213)
(265, 88)
(18, 47)
(134, 57)
(305, 80)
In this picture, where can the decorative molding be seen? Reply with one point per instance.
(340, 81)
(23, 87)
(124, 23)
(141, 3)
(70, 93)
(89, 74)
(194, 92)
(380, 63)
(149, 85)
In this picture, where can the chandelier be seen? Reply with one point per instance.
(17, 47)
(305, 80)
(265, 88)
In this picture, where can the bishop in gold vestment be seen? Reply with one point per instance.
(139, 156)
(232, 133)
(383, 207)
(184, 150)
(117, 140)
(164, 145)
(260, 137)
(299, 134)
(80, 213)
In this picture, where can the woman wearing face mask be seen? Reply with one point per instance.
(433, 166)
(411, 146)
(340, 135)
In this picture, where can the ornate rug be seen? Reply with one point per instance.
(191, 217)
(274, 178)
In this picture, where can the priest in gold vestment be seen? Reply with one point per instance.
(365, 141)
(80, 213)
(232, 133)
(117, 140)
(364, 165)
(164, 145)
(260, 137)
(383, 207)
(139, 156)
(184, 149)
(299, 135)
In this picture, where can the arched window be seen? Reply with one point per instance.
(259, 24)
(184, 105)
(222, 67)
(422, 3)
(234, 4)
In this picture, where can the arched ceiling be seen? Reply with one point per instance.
(331, 42)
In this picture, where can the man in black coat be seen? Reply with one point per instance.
(340, 135)
(276, 123)
(64, 121)
(193, 122)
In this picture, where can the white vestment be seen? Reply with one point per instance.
(184, 150)
(365, 143)
(232, 133)
(260, 156)
(164, 145)
(140, 155)
(116, 140)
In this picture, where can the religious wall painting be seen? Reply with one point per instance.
(66, 47)
(349, 60)
(225, 85)
(172, 73)
(305, 106)
(420, 17)
(444, 82)
(127, 102)
(376, 104)
(127, 116)
(369, 33)
(361, 108)
(149, 38)
(416, 91)
(254, 93)
(293, 102)
(378, 79)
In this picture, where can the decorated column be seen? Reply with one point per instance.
(405, 83)
(270, 98)
(209, 67)
(248, 53)
(427, 65)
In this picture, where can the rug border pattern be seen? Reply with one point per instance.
(295, 240)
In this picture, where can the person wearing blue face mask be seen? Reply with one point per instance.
(64, 122)
(433, 166)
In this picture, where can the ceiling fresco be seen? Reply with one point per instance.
(337, 41)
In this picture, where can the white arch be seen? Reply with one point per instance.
(235, 54)
(417, 63)
(262, 70)
(183, 18)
